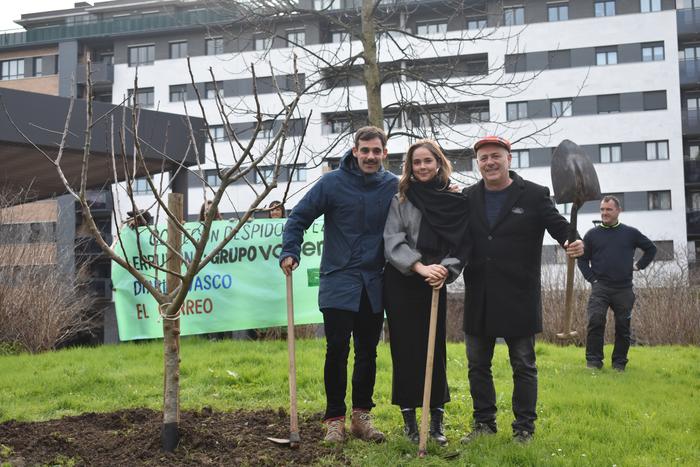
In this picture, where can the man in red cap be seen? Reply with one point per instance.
(508, 217)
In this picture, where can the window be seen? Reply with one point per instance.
(12, 69)
(687, 4)
(659, 200)
(338, 125)
(296, 38)
(178, 93)
(694, 151)
(610, 153)
(265, 174)
(338, 37)
(479, 114)
(212, 178)
(476, 23)
(262, 42)
(652, 52)
(140, 55)
(211, 89)
(565, 208)
(608, 104)
(689, 52)
(392, 121)
(657, 150)
(561, 108)
(144, 97)
(513, 16)
(521, 159)
(297, 173)
(178, 49)
(516, 110)
(326, 4)
(606, 56)
(558, 12)
(650, 5)
(38, 65)
(434, 118)
(693, 103)
(217, 133)
(604, 8)
(654, 100)
(423, 29)
(215, 46)
(140, 186)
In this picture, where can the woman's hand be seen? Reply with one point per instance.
(435, 274)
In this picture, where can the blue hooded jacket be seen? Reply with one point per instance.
(355, 206)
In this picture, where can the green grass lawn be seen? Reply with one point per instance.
(647, 416)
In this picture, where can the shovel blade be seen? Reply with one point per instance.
(574, 178)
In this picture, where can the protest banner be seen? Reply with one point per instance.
(242, 288)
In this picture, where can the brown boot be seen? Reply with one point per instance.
(335, 430)
(361, 427)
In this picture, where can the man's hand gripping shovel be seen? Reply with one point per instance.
(575, 181)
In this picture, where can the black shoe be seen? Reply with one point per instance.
(437, 429)
(522, 436)
(480, 429)
(618, 368)
(594, 365)
(410, 426)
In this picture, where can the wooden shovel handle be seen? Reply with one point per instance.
(428, 381)
(293, 417)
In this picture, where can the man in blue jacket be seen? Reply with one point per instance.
(354, 201)
(607, 263)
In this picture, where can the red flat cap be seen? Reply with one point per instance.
(492, 140)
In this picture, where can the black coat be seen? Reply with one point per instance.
(502, 278)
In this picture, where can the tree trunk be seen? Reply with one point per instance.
(170, 435)
(373, 85)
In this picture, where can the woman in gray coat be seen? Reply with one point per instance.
(425, 242)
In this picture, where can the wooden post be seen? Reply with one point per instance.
(170, 435)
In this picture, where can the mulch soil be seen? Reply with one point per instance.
(132, 437)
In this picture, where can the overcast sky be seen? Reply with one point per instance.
(13, 9)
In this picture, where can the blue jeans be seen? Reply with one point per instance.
(521, 351)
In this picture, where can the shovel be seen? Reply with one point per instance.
(575, 181)
(294, 439)
(428, 381)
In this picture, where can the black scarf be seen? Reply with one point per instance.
(444, 222)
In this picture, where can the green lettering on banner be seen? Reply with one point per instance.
(241, 288)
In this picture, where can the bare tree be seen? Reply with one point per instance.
(418, 78)
(242, 160)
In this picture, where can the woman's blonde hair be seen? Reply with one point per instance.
(444, 166)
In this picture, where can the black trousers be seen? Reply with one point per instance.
(521, 351)
(365, 328)
(621, 301)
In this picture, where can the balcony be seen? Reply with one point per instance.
(689, 72)
(691, 121)
(117, 27)
(692, 172)
(688, 21)
(102, 74)
(693, 223)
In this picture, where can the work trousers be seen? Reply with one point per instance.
(365, 328)
(621, 301)
(521, 351)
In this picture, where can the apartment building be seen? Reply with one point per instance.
(618, 77)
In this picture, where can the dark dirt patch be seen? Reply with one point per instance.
(132, 437)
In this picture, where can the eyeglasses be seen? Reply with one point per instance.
(375, 151)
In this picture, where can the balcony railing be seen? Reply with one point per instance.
(691, 121)
(693, 222)
(688, 21)
(102, 73)
(689, 71)
(692, 171)
(115, 27)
